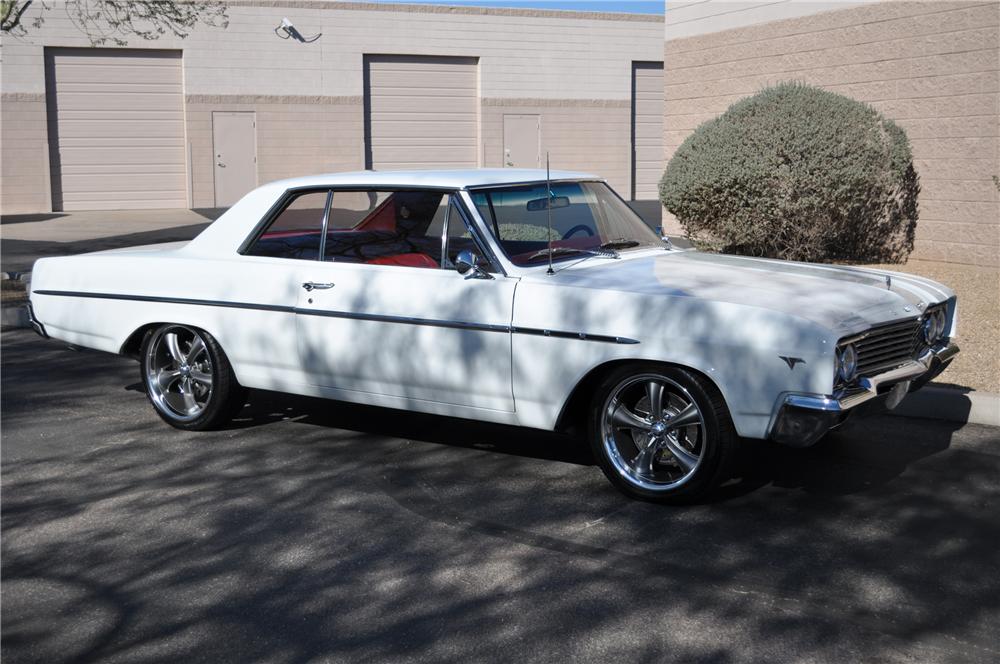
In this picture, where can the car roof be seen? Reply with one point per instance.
(458, 179)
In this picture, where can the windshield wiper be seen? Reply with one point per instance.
(573, 250)
(620, 243)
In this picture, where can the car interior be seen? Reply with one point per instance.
(378, 228)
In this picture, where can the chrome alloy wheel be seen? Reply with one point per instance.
(653, 432)
(178, 372)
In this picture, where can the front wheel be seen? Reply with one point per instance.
(188, 378)
(661, 433)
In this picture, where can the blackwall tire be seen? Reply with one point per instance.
(188, 378)
(661, 433)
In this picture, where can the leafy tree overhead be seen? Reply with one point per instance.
(115, 21)
(800, 173)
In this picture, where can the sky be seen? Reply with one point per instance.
(628, 6)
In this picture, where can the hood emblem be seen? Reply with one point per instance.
(792, 361)
(907, 309)
(888, 282)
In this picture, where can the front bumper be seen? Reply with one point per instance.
(800, 420)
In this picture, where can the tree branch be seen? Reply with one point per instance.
(8, 23)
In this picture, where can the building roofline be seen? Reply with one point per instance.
(448, 9)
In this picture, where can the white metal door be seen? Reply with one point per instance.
(116, 126)
(234, 140)
(521, 141)
(421, 112)
(647, 129)
(411, 334)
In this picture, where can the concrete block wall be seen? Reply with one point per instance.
(933, 67)
(579, 134)
(24, 143)
(295, 136)
(573, 68)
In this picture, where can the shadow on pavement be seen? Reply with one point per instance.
(29, 218)
(318, 531)
(210, 213)
(20, 255)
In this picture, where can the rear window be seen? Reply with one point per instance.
(295, 231)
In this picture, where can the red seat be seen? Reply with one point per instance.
(407, 260)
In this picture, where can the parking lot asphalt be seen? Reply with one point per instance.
(313, 531)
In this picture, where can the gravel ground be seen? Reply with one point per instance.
(12, 291)
(978, 290)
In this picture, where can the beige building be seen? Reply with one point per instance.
(933, 67)
(200, 121)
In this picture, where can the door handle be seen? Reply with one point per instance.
(221, 165)
(312, 285)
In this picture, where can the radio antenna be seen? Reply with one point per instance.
(548, 208)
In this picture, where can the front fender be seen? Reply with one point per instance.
(739, 348)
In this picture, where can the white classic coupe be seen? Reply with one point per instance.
(511, 296)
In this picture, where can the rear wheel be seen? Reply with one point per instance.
(661, 433)
(188, 378)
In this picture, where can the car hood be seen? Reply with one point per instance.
(844, 299)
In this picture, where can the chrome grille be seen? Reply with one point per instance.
(887, 347)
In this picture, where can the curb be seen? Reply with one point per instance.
(952, 405)
(14, 316)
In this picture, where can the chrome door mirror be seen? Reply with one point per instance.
(467, 264)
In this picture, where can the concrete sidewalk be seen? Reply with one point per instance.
(98, 224)
(28, 237)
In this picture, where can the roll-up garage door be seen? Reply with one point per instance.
(422, 112)
(647, 129)
(116, 129)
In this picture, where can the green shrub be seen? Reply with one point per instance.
(799, 173)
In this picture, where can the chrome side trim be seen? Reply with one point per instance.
(380, 318)
(170, 300)
(559, 334)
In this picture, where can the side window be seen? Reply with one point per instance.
(295, 231)
(459, 237)
(385, 228)
(351, 208)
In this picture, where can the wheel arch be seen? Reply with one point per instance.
(132, 346)
(574, 409)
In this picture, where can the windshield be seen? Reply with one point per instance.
(587, 217)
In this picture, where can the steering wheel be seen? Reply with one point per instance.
(576, 229)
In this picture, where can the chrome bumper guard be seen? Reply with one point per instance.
(35, 324)
(801, 420)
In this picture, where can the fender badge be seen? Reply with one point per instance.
(792, 361)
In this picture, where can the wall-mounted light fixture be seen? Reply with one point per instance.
(288, 31)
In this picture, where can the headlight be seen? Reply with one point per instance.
(929, 329)
(847, 363)
(942, 322)
(934, 326)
